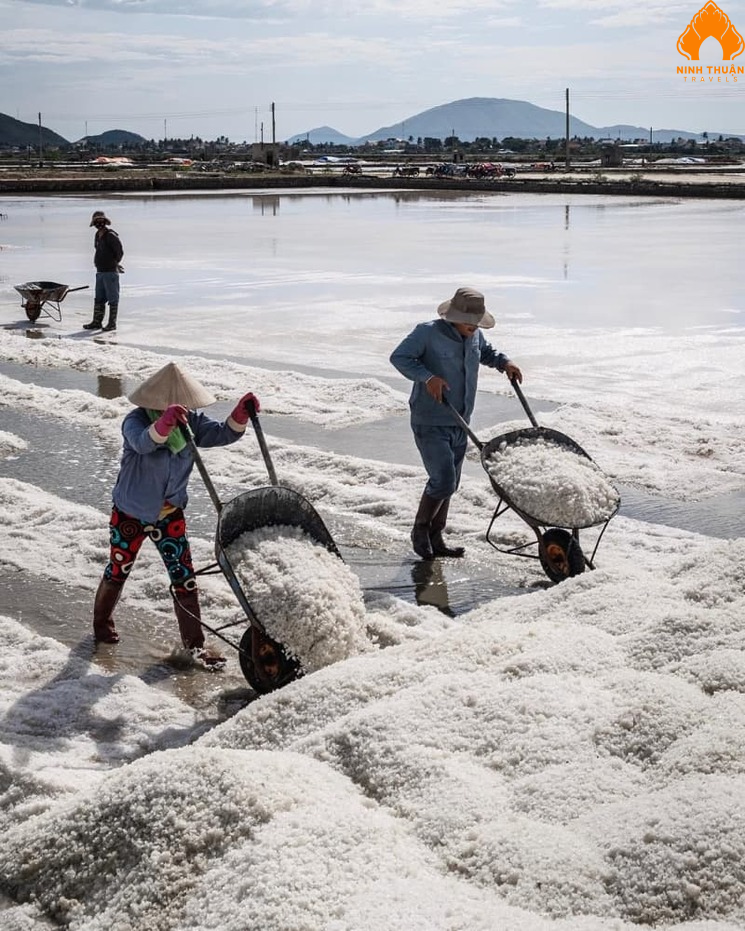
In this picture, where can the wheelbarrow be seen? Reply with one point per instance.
(557, 546)
(263, 661)
(43, 298)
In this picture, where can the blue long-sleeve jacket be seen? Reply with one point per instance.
(437, 348)
(151, 474)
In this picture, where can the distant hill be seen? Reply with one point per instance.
(321, 135)
(493, 117)
(113, 137)
(16, 134)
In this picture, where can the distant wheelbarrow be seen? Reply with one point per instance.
(43, 298)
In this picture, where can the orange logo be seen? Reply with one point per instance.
(710, 21)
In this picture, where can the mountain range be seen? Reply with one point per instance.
(493, 117)
(468, 119)
(17, 134)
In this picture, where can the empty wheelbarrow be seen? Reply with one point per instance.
(43, 298)
(519, 466)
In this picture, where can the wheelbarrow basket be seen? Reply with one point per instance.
(533, 434)
(42, 290)
(272, 506)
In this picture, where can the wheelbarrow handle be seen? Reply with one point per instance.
(253, 414)
(199, 462)
(472, 436)
(83, 287)
(519, 392)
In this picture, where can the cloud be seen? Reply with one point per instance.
(615, 14)
(283, 10)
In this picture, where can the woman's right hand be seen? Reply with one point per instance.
(171, 417)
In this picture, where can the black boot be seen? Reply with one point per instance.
(420, 540)
(439, 547)
(97, 321)
(107, 596)
(111, 325)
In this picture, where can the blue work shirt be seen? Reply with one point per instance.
(150, 474)
(437, 348)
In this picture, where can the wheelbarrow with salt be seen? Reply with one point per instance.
(264, 662)
(549, 481)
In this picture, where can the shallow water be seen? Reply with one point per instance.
(334, 279)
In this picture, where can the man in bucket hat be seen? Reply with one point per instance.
(442, 358)
(150, 495)
(107, 255)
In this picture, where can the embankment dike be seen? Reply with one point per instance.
(202, 181)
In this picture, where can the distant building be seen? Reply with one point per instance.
(265, 152)
(611, 155)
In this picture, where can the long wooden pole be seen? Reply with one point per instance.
(567, 129)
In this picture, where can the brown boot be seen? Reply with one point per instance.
(188, 615)
(439, 546)
(107, 596)
(420, 539)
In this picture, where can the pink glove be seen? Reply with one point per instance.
(171, 417)
(248, 404)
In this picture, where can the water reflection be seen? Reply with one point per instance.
(267, 204)
(430, 587)
(110, 387)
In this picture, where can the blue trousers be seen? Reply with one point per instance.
(107, 288)
(443, 450)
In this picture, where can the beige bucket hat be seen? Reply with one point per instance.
(170, 385)
(466, 306)
(99, 215)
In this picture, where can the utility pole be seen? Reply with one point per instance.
(40, 149)
(567, 129)
(650, 135)
(273, 160)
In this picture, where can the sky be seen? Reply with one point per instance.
(211, 68)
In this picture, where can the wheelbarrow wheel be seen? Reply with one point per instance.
(33, 310)
(264, 662)
(561, 555)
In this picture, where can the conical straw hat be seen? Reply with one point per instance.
(170, 385)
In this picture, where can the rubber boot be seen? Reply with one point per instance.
(439, 546)
(111, 325)
(420, 539)
(97, 321)
(108, 594)
(188, 615)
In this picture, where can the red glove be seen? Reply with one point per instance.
(171, 417)
(248, 404)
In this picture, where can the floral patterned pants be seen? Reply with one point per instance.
(169, 536)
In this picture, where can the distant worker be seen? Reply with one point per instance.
(107, 256)
(442, 358)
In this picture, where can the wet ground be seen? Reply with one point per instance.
(59, 455)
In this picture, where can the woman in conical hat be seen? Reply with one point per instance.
(150, 495)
